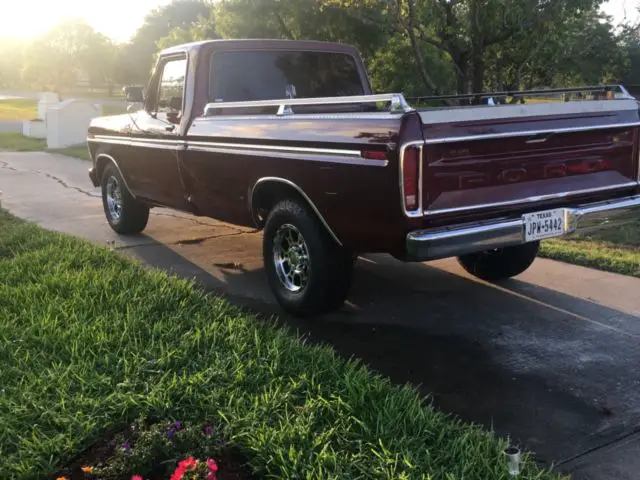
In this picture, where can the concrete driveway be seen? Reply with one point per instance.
(549, 358)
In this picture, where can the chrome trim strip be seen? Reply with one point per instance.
(539, 198)
(295, 155)
(349, 157)
(301, 192)
(275, 148)
(528, 133)
(398, 103)
(301, 116)
(424, 245)
(139, 141)
(113, 160)
(419, 211)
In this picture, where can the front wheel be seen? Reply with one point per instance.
(124, 213)
(308, 272)
(500, 263)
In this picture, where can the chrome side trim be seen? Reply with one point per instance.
(113, 160)
(397, 101)
(274, 148)
(138, 141)
(527, 133)
(301, 192)
(423, 245)
(295, 155)
(539, 198)
(419, 211)
(349, 157)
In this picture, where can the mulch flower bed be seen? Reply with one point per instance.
(160, 451)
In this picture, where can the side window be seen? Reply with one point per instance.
(171, 86)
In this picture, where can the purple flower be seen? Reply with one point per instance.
(173, 428)
(207, 430)
(126, 446)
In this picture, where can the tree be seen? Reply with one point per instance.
(11, 52)
(70, 50)
(297, 19)
(179, 14)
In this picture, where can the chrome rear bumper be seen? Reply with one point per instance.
(432, 244)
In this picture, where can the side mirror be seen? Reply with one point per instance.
(134, 94)
(175, 104)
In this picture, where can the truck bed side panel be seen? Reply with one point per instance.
(226, 157)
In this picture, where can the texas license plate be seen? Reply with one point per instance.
(547, 224)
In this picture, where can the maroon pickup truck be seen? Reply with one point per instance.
(287, 136)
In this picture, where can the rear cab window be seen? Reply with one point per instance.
(238, 76)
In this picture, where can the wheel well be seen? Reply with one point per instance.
(266, 194)
(101, 163)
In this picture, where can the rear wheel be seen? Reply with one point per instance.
(124, 213)
(500, 263)
(307, 271)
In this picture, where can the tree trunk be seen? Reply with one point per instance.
(461, 67)
(477, 48)
(426, 78)
(477, 84)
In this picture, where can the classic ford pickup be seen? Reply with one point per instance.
(288, 136)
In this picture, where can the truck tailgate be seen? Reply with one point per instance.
(487, 156)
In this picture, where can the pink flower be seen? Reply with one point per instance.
(188, 464)
(137, 477)
(213, 466)
(177, 474)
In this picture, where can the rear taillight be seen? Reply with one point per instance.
(410, 177)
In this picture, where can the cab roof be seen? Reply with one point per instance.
(262, 44)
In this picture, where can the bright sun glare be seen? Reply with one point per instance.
(119, 19)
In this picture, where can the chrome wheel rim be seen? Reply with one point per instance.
(291, 258)
(114, 198)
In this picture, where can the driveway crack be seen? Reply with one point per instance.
(205, 224)
(6, 166)
(66, 185)
(192, 241)
(58, 180)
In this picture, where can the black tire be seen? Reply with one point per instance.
(130, 217)
(501, 263)
(329, 269)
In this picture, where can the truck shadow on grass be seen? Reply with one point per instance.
(524, 363)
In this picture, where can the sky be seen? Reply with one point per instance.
(119, 19)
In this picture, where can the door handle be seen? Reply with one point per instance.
(170, 128)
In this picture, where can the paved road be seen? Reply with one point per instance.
(549, 358)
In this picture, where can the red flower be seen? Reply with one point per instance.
(188, 464)
(177, 474)
(213, 466)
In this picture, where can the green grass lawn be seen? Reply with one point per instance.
(90, 341)
(18, 109)
(614, 250)
(16, 142)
